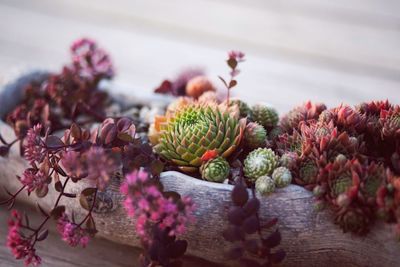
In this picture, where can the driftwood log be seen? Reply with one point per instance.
(309, 237)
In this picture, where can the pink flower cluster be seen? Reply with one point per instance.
(236, 55)
(34, 179)
(147, 203)
(94, 164)
(91, 61)
(34, 144)
(19, 245)
(71, 232)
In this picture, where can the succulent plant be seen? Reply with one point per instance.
(208, 97)
(354, 218)
(259, 162)
(274, 133)
(305, 112)
(244, 109)
(191, 130)
(264, 115)
(255, 135)
(390, 121)
(308, 173)
(341, 184)
(198, 85)
(326, 116)
(215, 170)
(289, 160)
(282, 177)
(265, 185)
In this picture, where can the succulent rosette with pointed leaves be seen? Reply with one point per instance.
(305, 112)
(192, 129)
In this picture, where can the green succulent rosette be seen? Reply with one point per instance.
(282, 177)
(265, 185)
(215, 170)
(255, 135)
(195, 128)
(264, 115)
(259, 162)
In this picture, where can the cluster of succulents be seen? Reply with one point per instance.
(348, 156)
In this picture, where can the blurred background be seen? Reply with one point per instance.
(330, 51)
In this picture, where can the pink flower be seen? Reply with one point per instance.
(72, 164)
(90, 61)
(34, 145)
(237, 55)
(72, 233)
(147, 203)
(100, 166)
(19, 245)
(33, 179)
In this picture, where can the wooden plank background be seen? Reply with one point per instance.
(330, 51)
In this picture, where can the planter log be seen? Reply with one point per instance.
(309, 237)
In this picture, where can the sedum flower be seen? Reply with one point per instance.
(71, 232)
(34, 147)
(150, 207)
(34, 179)
(90, 61)
(20, 246)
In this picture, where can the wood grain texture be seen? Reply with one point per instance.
(297, 50)
(309, 237)
(56, 253)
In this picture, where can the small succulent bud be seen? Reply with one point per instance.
(244, 109)
(282, 177)
(255, 135)
(289, 160)
(342, 200)
(353, 141)
(259, 162)
(341, 159)
(275, 132)
(265, 185)
(215, 170)
(208, 97)
(318, 191)
(198, 85)
(264, 115)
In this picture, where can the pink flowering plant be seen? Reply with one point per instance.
(52, 127)
(160, 217)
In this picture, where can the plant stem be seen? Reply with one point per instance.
(35, 234)
(13, 196)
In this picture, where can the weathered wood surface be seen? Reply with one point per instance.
(99, 252)
(310, 238)
(330, 51)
